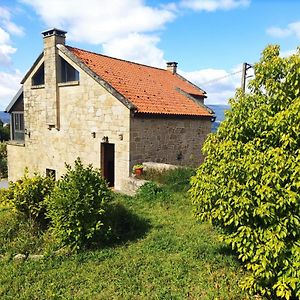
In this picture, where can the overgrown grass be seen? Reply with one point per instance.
(164, 254)
(174, 180)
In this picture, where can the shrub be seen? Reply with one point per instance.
(3, 160)
(18, 235)
(150, 191)
(176, 180)
(179, 179)
(249, 182)
(27, 196)
(4, 132)
(77, 207)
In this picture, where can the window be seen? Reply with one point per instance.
(68, 73)
(39, 77)
(17, 126)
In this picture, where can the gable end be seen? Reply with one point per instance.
(32, 67)
(102, 82)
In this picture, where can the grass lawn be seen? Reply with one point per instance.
(172, 257)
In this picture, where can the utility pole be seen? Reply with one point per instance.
(246, 67)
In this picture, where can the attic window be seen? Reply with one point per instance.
(68, 73)
(39, 77)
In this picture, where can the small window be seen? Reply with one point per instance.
(68, 73)
(18, 126)
(51, 173)
(39, 77)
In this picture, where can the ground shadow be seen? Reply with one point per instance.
(124, 226)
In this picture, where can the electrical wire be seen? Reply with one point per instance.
(220, 78)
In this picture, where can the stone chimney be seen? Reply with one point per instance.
(172, 67)
(52, 37)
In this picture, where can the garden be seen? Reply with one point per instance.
(77, 239)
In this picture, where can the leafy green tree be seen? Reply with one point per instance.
(4, 132)
(249, 183)
(3, 160)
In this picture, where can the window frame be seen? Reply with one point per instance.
(41, 72)
(17, 120)
(67, 72)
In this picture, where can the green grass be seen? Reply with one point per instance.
(170, 257)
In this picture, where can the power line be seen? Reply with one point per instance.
(220, 78)
(246, 67)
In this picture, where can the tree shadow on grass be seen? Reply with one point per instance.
(124, 226)
(220, 254)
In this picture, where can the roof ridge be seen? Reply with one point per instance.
(125, 60)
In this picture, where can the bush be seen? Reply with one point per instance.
(4, 132)
(27, 196)
(19, 235)
(179, 179)
(3, 160)
(176, 180)
(150, 191)
(249, 182)
(77, 207)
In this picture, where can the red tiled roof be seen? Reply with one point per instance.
(149, 89)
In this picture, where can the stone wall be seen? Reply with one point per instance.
(84, 108)
(176, 141)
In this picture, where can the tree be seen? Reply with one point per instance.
(249, 183)
(4, 132)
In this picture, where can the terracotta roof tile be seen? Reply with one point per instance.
(151, 90)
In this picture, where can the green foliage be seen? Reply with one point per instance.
(3, 160)
(176, 259)
(77, 207)
(150, 191)
(138, 166)
(4, 132)
(179, 179)
(27, 196)
(18, 235)
(175, 180)
(249, 183)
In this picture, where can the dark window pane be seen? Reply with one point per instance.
(68, 73)
(39, 77)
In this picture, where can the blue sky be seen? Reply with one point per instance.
(210, 39)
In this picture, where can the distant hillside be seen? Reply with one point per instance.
(219, 111)
(4, 117)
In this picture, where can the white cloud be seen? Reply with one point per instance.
(127, 29)
(5, 49)
(219, 84)
(7, 24)
(287, 53)
(6, 28)
(101, 21)
(213, 5)
(9, 85)
(290, 30)
(136, 47)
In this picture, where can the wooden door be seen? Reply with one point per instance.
(108, 162)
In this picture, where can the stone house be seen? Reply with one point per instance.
(109, 112)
